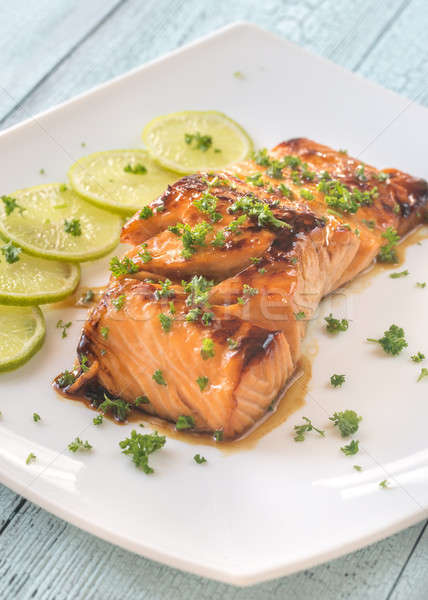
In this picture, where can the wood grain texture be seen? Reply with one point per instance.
(36, 35)
(48, 559)
(340, 30)
(54, 50)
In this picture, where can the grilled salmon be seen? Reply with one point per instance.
(203, 318)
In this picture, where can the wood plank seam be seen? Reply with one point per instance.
(382, 32)
(406, 562)
(73, 49)
(13, 514)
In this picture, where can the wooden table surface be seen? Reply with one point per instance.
(52, 50)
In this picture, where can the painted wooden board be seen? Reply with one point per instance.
(50, 52)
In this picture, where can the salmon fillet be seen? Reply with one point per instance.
(204, 316)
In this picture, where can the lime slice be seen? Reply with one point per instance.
(33, 280)
(54, 222)
(193, 140)
(122, 181)
(22, 331)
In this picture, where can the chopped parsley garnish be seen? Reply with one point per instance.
(63, 187)
(347, 422)
(421, 284)
(191, 237)
(78, 444)
(360, 173)
(72, 227)
(202, 142)
(399, 274)
(255, 260)
(158, 377)
(343, 151)
(193, 315)
(423, 373)
(30, 458)
(207, 318)
(261, 157)
(36, 417)
(65, 379)
(10, 204)
(185, 422)
(146, 212)
(219, 240)
(369, 223)
(145, 254)
(337, 380)
(300, 316)
(218, 435)
(104, 332)
(285, 191)
(64, 326)
(119, 302)
(254, 208)
(207, 204)
(166, 322)
(122, 267)
(207, 349)
(118, 407)
(197, 290)
(84, 363)
(302, 430)
(393, 340)
(388, 253)
(202, 381)
(87, 297)
(137, 169)
(98, 420)
(306, 194)
(234, 225)
(139, 446)
(358, 467)
(336, 325)
(11, 252)
(341, 198)
(233, 344)
(419, 357)
(199, 459)
(249, 291)
(165, 291)
(141, 400)
(172, 307)
(384, 484)
(255, 179)
(351, 448)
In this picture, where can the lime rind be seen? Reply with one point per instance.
(102, 180)
(40, 229)
(164, 136)
(33, 280)
(22, 333)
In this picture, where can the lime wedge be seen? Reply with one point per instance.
(22, 331)
(193, 140)
(122, 181)
(32, 280)
(52, 221)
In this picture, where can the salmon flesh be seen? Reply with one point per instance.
(203, 318)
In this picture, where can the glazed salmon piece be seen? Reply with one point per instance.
(245, 256)
(126, 365)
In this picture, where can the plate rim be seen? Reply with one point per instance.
(236, 577)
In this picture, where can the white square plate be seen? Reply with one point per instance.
(282, 506)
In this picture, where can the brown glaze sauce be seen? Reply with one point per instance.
(290, 400)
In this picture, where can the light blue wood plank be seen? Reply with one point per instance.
(399, 59)
(413, 583)
(339, 29)
(35, 35)
(344, 31)
(47, 559)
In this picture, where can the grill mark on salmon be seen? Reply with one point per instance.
(265, 273)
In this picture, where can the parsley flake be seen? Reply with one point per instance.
(199, 459)
(139, 447)
(336, 325)
(73, 227)
(78, 445)
(347, 422)
(184, 422)
(302, 430)
(137, 169)
(351, 448)
(11, 253)
(393, 340)
(337, 380)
